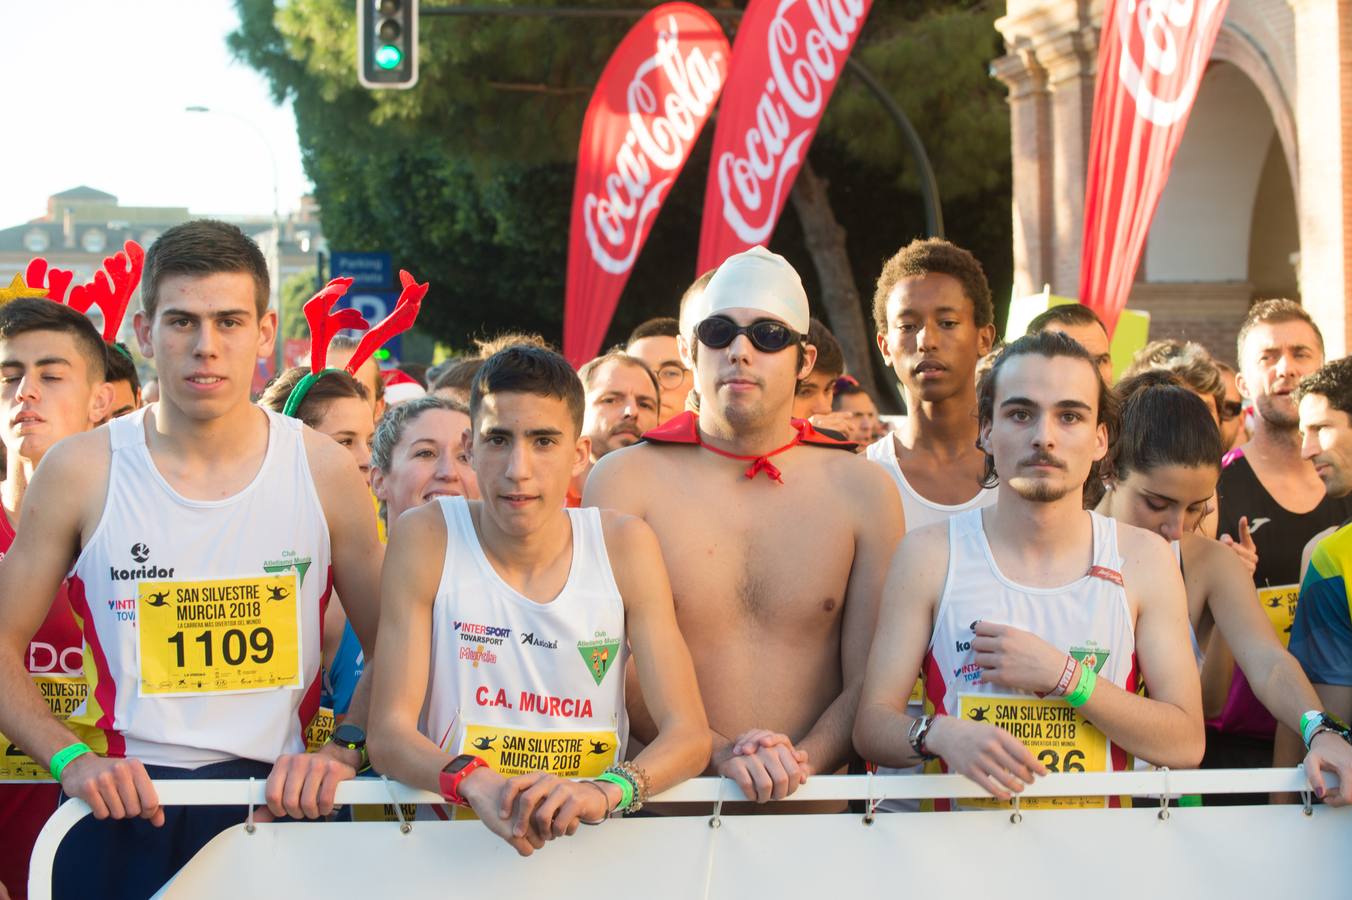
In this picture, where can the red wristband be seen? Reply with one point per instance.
(1064, 684)
(456, 771)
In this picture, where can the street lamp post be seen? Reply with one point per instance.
(275, 297)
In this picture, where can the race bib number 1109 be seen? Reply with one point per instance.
(227, 635)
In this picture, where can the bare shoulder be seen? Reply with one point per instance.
(1141, 547)
(326, 457)
(1146, 557)
(1211, 559)
(423, 528)
(620, 477)
(79, 462)
(929, 538)
(921, 563)
(867, 484)
(636, 460)
(625, 532)
(924, 550)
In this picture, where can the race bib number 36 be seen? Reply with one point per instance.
(227, 635)
(1060, 738)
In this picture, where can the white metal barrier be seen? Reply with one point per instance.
(1039, 854)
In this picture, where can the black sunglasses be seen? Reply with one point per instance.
(1230, 409)
(766, 335)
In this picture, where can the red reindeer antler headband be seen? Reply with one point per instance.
(110, 289)
(324, 324)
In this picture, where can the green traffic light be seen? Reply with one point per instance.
(389, 56)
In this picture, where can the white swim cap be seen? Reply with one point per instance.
(753, 279)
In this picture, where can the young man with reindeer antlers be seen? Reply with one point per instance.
(203, 536)
(53, 384)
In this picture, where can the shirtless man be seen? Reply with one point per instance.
(1036, 602)
(775, 579)
(200, 494)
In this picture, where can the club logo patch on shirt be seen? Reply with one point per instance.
(599, 654)
(1090, 655)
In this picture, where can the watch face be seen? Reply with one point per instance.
(454, 766)
(348, 734)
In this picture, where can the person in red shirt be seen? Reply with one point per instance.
(53, 383)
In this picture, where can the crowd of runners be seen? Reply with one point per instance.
(550, 595)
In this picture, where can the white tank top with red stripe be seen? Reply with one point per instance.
(528, 686)
(201, 618)
(1088, 618)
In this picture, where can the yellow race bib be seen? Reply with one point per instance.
(63, 694)
(225, 635)
(1280, 605)
(1060, 738)
(516, 751)
(320, 729)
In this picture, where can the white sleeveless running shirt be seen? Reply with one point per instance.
(527, 686)
(1088, 618)
(919, 510)
(201, 619)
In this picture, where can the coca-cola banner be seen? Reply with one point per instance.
(785, 64)
(648, 109)
(1152, 55)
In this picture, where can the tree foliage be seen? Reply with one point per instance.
(467, 178)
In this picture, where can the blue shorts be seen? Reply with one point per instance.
(132, 859)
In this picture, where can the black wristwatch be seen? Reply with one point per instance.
(352, 737)
(919, 731)
(1325, 722)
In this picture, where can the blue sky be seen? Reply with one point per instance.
(110, 81)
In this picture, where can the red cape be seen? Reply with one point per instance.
(684, 429)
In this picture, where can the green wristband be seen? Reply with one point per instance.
(626, 788)
(65, 756)
(1084, 688)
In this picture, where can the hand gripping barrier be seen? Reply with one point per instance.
(1040, 854)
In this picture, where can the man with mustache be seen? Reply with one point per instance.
(775, 579)
(1272, 500)
(622, 403)
(1034, 619)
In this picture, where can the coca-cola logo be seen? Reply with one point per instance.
(1163, 55)
(807, 42)
(668, 99)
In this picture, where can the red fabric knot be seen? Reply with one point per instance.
(764, 465)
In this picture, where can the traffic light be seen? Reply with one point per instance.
(387, 43)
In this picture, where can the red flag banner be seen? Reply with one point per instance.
(646, 113)
(1152, 55)
(785, 64)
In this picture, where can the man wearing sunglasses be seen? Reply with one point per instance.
(777, 542)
